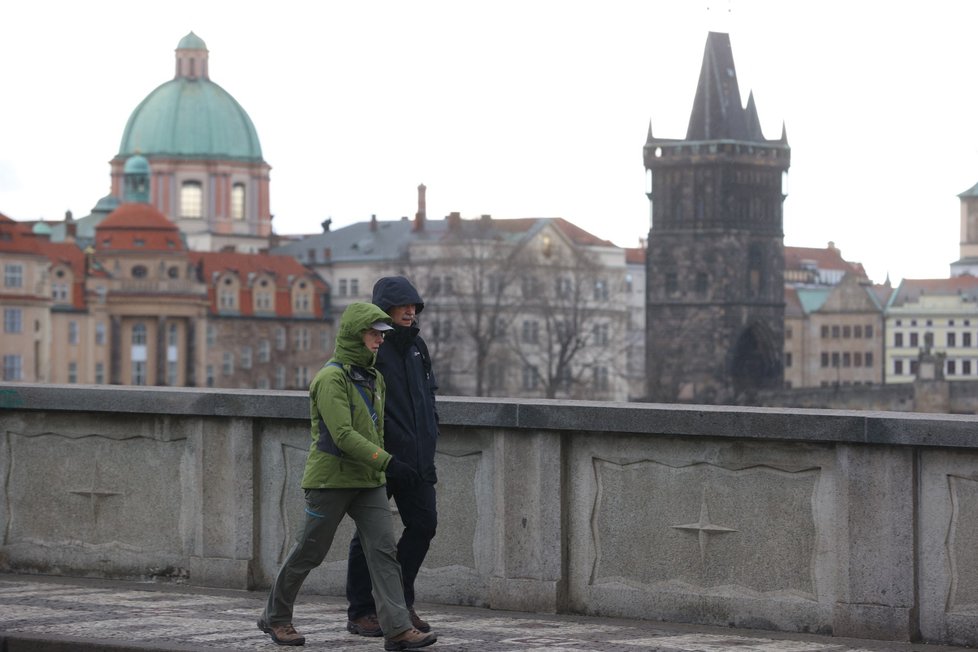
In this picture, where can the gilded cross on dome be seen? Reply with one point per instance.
(704, 527)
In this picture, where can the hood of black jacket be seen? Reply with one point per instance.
(391, 291)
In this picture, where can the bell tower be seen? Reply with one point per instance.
(715, 255)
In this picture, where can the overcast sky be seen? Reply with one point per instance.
(524, 108)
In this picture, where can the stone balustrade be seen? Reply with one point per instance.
(850, 523)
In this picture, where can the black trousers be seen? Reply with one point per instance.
(419, 515)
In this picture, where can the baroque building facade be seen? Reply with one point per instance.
(513, 307)
(834, 321)
(715, 261)
(137, 307)
(209, 176)
(164, 282)
(936, 317)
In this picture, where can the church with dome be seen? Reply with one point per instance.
(208, 175)
(206, 169)
(168, 281)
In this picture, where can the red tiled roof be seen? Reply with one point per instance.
(579, 235)
(214, 263)
(883, 293)
(281, 267)
(911, 289)
(635, 255)
(17, 237)
(829, 258)
(68, 253)
(940, 285)
(137, 227)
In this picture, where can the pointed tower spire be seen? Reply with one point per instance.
(650, 137)
(717, 110)
(753, 122)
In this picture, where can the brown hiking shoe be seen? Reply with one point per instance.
(411, 639)
(420, 625)
(284, 634)
(364, 626)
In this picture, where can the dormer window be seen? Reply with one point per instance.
(264, 296)
(302, 294)
(227, 294)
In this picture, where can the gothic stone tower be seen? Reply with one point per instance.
(715, 258)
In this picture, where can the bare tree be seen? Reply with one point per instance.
(569, 292)
(467, 279)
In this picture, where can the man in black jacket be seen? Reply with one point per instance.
(410, 435)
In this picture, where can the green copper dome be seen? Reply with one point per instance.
(190, 116)
(136, 165)
(191, 42)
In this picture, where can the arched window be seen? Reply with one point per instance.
(238, 201)
(191, 199)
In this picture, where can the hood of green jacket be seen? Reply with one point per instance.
(357, 318)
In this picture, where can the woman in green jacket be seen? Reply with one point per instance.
(345, 474)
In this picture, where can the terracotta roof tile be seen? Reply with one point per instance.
(911, 289)
(137, 227)
(829, 258)
(635, 255)
(281, 267)
(17, 237)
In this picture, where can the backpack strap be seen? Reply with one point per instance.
(325, 442)
(363, 393)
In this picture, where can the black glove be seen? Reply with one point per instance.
(405, 475)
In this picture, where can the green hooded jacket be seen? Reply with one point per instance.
(347, 450)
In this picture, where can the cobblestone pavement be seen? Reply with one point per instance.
(37, 612)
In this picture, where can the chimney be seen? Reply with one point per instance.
(373, 222)
(422, 213)
(326, 224)
(71, 227)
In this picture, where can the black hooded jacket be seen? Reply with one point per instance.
(410, 415)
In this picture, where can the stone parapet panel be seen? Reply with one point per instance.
(851, 523)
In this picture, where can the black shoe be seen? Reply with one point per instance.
(365, 626)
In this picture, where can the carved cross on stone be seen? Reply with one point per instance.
(704, 527)
(95, 495)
